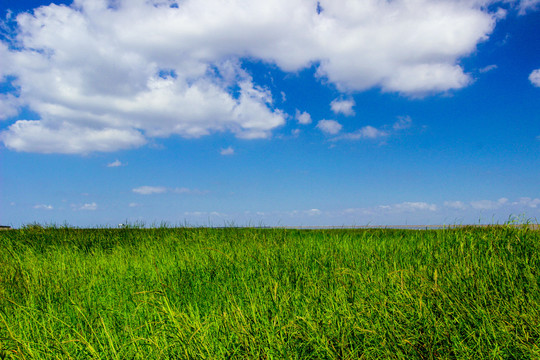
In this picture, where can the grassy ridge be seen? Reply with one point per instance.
(269, 293)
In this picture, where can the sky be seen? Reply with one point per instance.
(269, 113)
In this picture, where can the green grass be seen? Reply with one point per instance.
(202, 293)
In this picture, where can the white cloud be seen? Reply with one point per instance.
(149, 190)
(104, 78)
(457, 205)
(90, 206)
(195, 213)
(132, 205)
(344, 107)
(68, 138)
(206, 214)
(367, 132)
(9, 106)
(303, 118)
(115, 163)
(488, 68)
(526, 5)
(528, 202)
(183, 190)
(331, 127)
(313, 212)
(43, 207)
(403, 122)
(370, 132)
(488, 204)
(409, 207)
(423, 78)
(227, 151)
(534, 77)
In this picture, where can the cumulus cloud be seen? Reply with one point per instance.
(105, 77)
(303, 118)
(331, 127)
(68, 138)
(534, 77)
(344, 107)
(227, 151)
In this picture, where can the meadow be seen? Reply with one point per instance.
(248, 293)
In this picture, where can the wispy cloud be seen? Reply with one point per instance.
(409, 206)
(149, 190)
(528, 5)
(372, 133)
(488, 204)
(90, 206)
(528, 202)
(227, 151)
(116, 163)
(313, 212)
(457, 205)
(207, 214)
(488, 68)
(183, 190)
(43, 207)
(403, 122)
(367, 132)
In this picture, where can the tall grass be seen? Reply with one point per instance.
(203, 293)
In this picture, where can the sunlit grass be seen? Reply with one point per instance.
(203, 293)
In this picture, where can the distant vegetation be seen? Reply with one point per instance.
(232, 293)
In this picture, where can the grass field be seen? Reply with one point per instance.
(245, 293)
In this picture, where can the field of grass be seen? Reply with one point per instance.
(232, 293)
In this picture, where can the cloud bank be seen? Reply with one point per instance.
(108, 75)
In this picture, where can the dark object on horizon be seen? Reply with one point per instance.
(5, 227)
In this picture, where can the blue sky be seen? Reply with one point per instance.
(296, 112)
